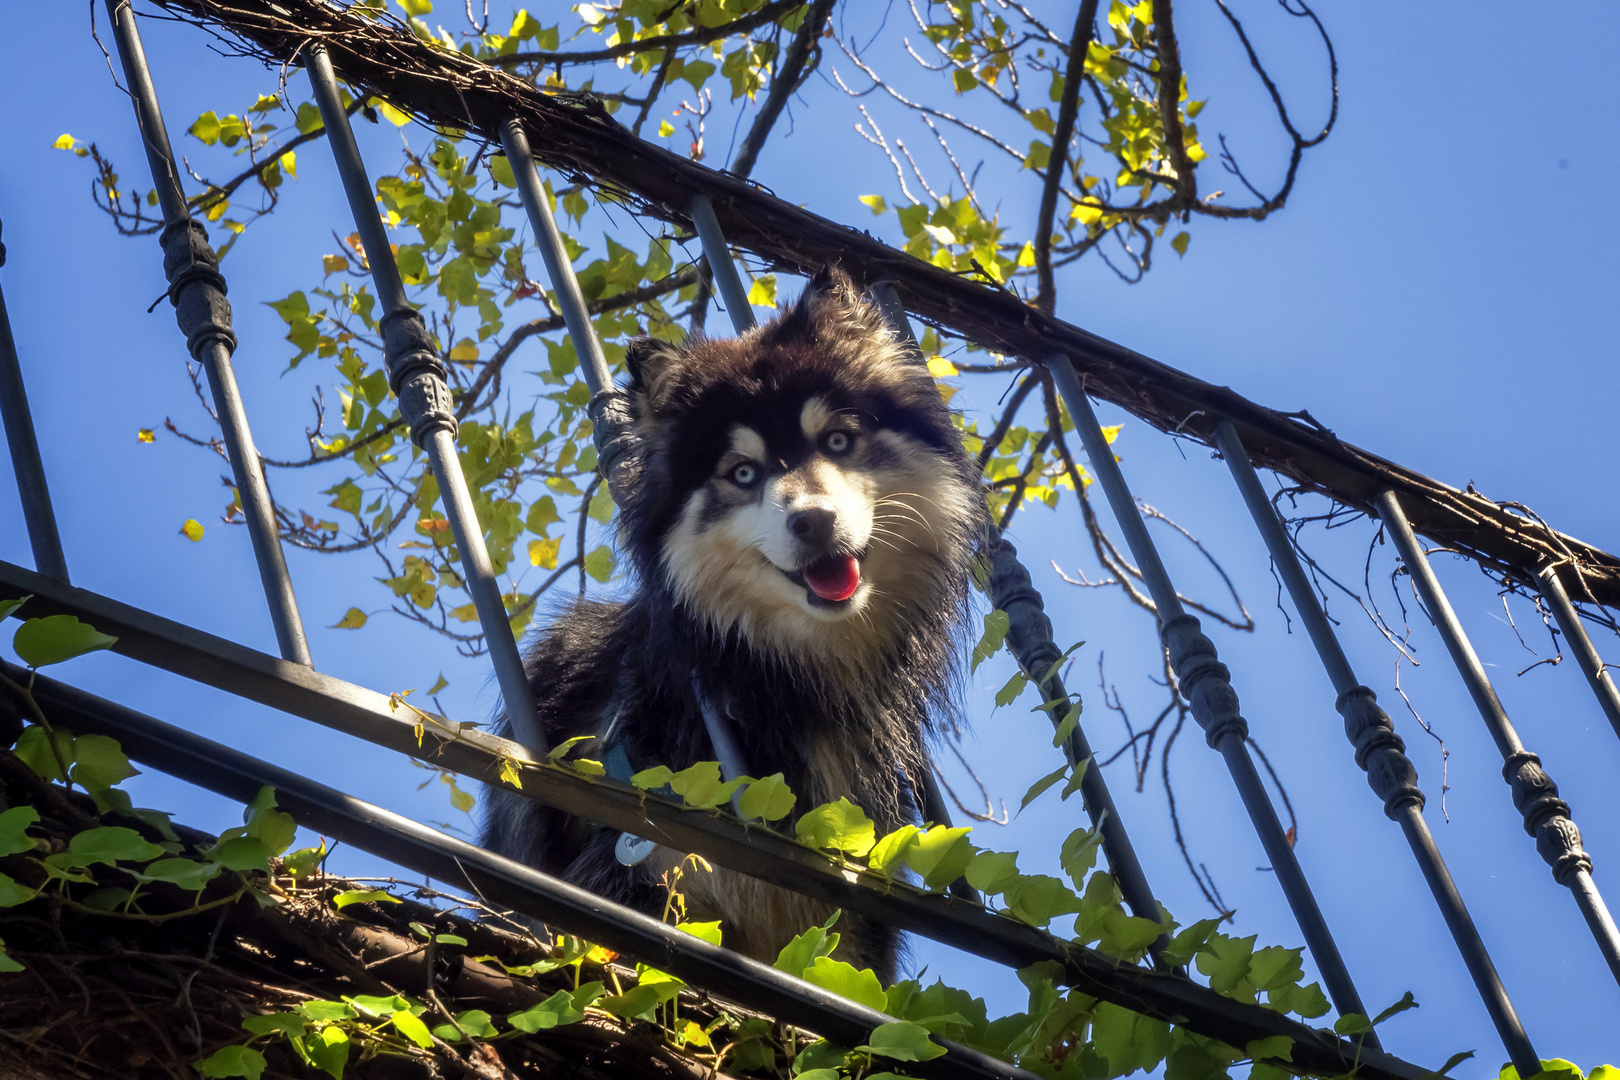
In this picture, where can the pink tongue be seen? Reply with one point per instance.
(834, 578)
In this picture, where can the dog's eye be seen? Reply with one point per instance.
(838, 442)
(745, 474)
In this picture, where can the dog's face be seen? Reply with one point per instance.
(802, 483)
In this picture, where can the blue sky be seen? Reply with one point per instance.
(1433, 292)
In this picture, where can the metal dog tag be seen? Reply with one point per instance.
(631, 849)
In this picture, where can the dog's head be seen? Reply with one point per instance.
(802, 483)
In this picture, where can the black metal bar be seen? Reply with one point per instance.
(721, 265)
(1206, 684)
(762, 853)
(197, 290)
(1381, 753)
(32, 490)
(573, 910)
(593, 364)
(1580, 643)
(1546, 816)
(416, 375)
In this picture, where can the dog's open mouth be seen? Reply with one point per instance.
(831, 579)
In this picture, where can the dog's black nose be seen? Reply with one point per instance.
(813, 526)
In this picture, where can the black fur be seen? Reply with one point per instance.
(642, 653)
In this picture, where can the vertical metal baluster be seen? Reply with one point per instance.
(1381, 752)
(32, 490)
(1029, 639)
(1207, 686)
(1546, 816)
(1580, 643)
(197, 290)
(416, 375)
(726, 277)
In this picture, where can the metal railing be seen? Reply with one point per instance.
(416, 374)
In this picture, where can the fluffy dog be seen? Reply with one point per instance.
(801, 519)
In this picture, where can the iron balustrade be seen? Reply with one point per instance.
(1205, 683)
(197, 291)
(1381, 753)
(1546, 816)
(417, 377)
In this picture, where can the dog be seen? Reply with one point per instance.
(801, 519)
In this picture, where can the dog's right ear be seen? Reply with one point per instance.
(650, 363)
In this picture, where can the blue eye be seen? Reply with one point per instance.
(838, 442)
(745, 475)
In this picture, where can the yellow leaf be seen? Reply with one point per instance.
(465, 351)
(417, 7)
(63, 142)
(333, 263)
(941, 368)
(191, 530)
(146, 434)
(665, 129)
(543, 553)
(1112, 433)
(440, 685)
(353, 619)
(762, 293)
(464, 613)
(875, 202)
(391, 114)
(289, 161)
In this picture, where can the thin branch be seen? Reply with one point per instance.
(1057, 162)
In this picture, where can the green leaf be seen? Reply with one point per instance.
(410, 1025)
(808, 947)
(903, 1041)
(769, 799)
(700, 786)
(652, 779)
(841, 826)
(639, 1001)
(888, 855)
(1352, 1024)
(7, 963)
(1079, 853)
(1407, 1002)
(475, 1022)
(995, 632)
(55, 638)
(1277, 1047)
(556, 1010)
(362, 896)
(242, 853)
(704, 931)
(376, 1005)
(13, 892)
(326, 1012)
(1039, 898)
(233, 1061)
(107, 844)
(99, 762)
(940, 855)
(8, 606)
(1186, 944)
(34, 750)
(992, 871)
(1226, 961)
(858, 984)
(1038, 788)
(329, 1049)
(14, 838)
(285, 1023)
(1180, 242)
(1607, 1072)
(599, 563)
(1009, 693)
(188, 874)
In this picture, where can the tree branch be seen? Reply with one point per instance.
(1058, 162)
(783, 85)
(703, 35)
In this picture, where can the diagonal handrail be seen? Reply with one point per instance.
(580, 138)
(365, 714)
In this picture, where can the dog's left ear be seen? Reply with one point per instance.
(830, 307)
